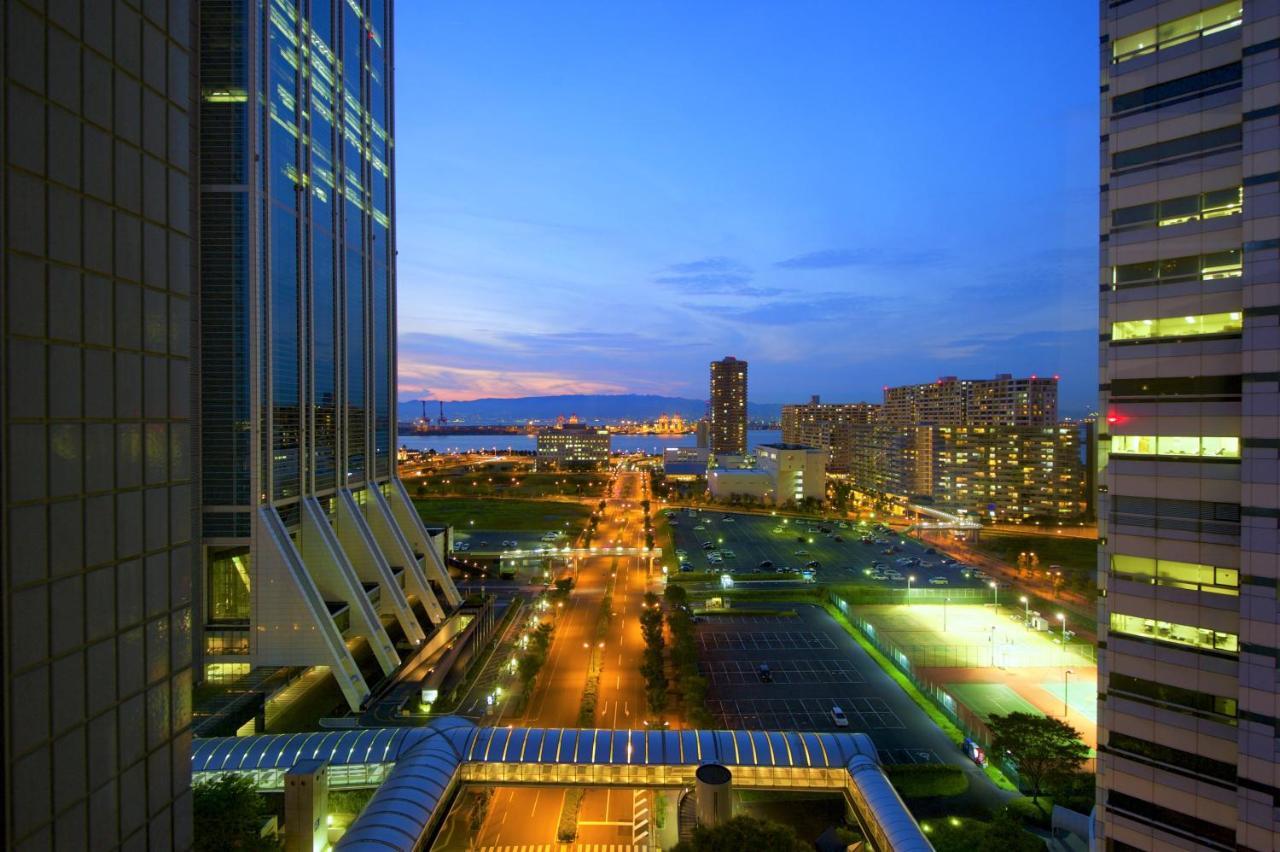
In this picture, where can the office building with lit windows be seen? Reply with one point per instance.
(314, 558)
(96, 474)
(1189, 305)
(728, 430)
(573, 446)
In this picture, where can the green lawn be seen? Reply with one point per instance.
(503, 514)
(507, 483)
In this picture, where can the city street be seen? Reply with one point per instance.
(520, 815)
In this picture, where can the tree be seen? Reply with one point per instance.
(1041, 747)
(675, 594)
(744, 832)
(228, 813)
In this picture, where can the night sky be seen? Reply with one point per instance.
(599, 197)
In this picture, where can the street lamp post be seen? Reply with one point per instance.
(910, 579)
(1063, 618)
(995, 594)
(1066, 674)
(945, 601)
(1026, 612)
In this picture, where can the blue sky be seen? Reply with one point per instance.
(604, 196)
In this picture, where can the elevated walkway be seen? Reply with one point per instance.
(417, 770)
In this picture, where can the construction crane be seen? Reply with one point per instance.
(441, 419)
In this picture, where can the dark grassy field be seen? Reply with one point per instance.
(503, 514)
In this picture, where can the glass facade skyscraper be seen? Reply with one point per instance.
(309, 538)
(96, 471)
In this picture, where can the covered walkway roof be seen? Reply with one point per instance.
(416, 768)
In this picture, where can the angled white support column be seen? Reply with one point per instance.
(394, 546)
(353, 539)
(295, 626)
(337, 580)
(415, 532)
(360, 542)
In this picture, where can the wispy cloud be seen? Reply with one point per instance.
(708, 264)
(712, 275)
(425, 380)
(841, 258)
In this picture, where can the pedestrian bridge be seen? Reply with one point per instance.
(417, 770)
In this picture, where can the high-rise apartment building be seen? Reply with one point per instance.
(950, 401)
(1010, 473)
(835, 427)
(95, 424)
(1188, 754)
(313, 553)
(729, 406)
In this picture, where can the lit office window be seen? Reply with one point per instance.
(1152, 329)
(1181, 575)
(1178, 31)
(1174, 634)
(1197, 446)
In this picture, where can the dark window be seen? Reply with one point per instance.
(1220, 76)
(1221, 264)
(1174, 697)
(1191, 386)
(1139, 214)
(1179, 147)
(1169, 819)
(1193, 516)
(1175, 211)
(1184, 760)
(1131, 272)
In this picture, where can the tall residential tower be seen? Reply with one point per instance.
(729, 406)
(313, 553)
(1189, 282)
(96, 442)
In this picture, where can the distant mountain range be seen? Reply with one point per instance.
(589, 407)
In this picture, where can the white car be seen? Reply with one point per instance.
(939, 581)
(837, 716)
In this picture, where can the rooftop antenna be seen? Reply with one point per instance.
(424, 410)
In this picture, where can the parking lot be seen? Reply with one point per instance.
(813, 666)
(756, 539)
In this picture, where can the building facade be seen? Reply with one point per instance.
(728, 428)
(311, 547)
(1189, 293)
(949, 401)
(1010, 473)
(97, 501)
(836, 427)
(798, 471)
(573, 446)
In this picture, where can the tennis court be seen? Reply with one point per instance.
(988, 699)
(1082, 697)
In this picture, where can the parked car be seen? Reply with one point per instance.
(766, 564)
(764, 674)
(813, 564)
(837, 716)
(685, 566)
(938, 581)
(838, 538)
(802, 552)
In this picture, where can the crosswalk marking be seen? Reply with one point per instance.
(567, 847)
